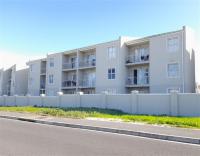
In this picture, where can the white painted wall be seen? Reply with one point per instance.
(56, 71)
(21, 82)
(34, 77)
(1, 81)
(150, 104)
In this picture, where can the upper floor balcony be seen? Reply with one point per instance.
(87, 63)
(87, 83)
(69, 83)
(42, 85)
(137, 82)
(69, 66)
(133, 59)
(43, 71)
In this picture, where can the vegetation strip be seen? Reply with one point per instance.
(81, 113)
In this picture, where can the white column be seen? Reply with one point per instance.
(42, 99)
(134, 102)
(174, 103)
(104, 99)
(59, 98)
(4, 99)
(78, 99)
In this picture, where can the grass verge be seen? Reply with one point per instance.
(81, 113)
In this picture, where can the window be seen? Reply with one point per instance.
(111, 91)
(173, 70)
(31, 67)
(173, 44)
(111, 73)
(50, 79)
(111, 52)
(51, 62)
(169, 90)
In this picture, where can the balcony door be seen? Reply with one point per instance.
(73, 61)
(143, 76)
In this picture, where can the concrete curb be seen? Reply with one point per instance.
(111, 130)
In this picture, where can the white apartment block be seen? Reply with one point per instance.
(13, 82)
(153, 64)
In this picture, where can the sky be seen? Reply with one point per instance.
(30, 29)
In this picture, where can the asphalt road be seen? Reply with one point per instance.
(18, 138)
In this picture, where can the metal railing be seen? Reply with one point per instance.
(42, 86)
(134, 59)
(87, 83)
(69, 83)
(72, 65)
(137, 81)
(89, 63)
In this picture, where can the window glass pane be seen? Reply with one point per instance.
(173, 89)
(111, 52)
(173, 70)
(173, 44)
(113, 70)
(51, 62)
(113, 76)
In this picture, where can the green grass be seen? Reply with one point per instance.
(81, 113)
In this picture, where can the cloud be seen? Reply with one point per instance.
(7, 59)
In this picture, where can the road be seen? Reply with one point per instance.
(18, 138)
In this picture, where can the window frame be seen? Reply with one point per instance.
(113, 53)
(178, 74)
(178, 44)
(51, 79)
(111, 75)
(173, 88)
(51, 62)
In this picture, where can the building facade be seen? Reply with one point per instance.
(153, 64)
(13, 82)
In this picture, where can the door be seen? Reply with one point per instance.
(142, 76)
(73, 62)
(92, 79)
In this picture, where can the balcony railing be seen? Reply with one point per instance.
(69, 83)
(87, 83)
(43, 71)
(89, 63)
(137, 81)
(134, 59)
(72, 65)
(42, 86)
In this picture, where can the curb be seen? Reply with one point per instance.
(111, 130)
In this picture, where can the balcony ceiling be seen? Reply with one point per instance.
(137, 42)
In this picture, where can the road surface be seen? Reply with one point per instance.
(18, 138)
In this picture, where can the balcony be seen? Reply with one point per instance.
(132, 59)
(137, 82)
(87, 64)
(43, 71)
(42, 86)
(69, 84)
(69, 66)
(87, 84)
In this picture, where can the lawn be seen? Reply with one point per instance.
(81, 113)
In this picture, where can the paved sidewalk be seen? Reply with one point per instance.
(150, 131)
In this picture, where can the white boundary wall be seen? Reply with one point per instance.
(173, 104)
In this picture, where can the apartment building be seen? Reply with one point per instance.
(1, 81)
(13, 82)
(154, 64)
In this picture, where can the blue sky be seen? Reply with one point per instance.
(38, 27)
